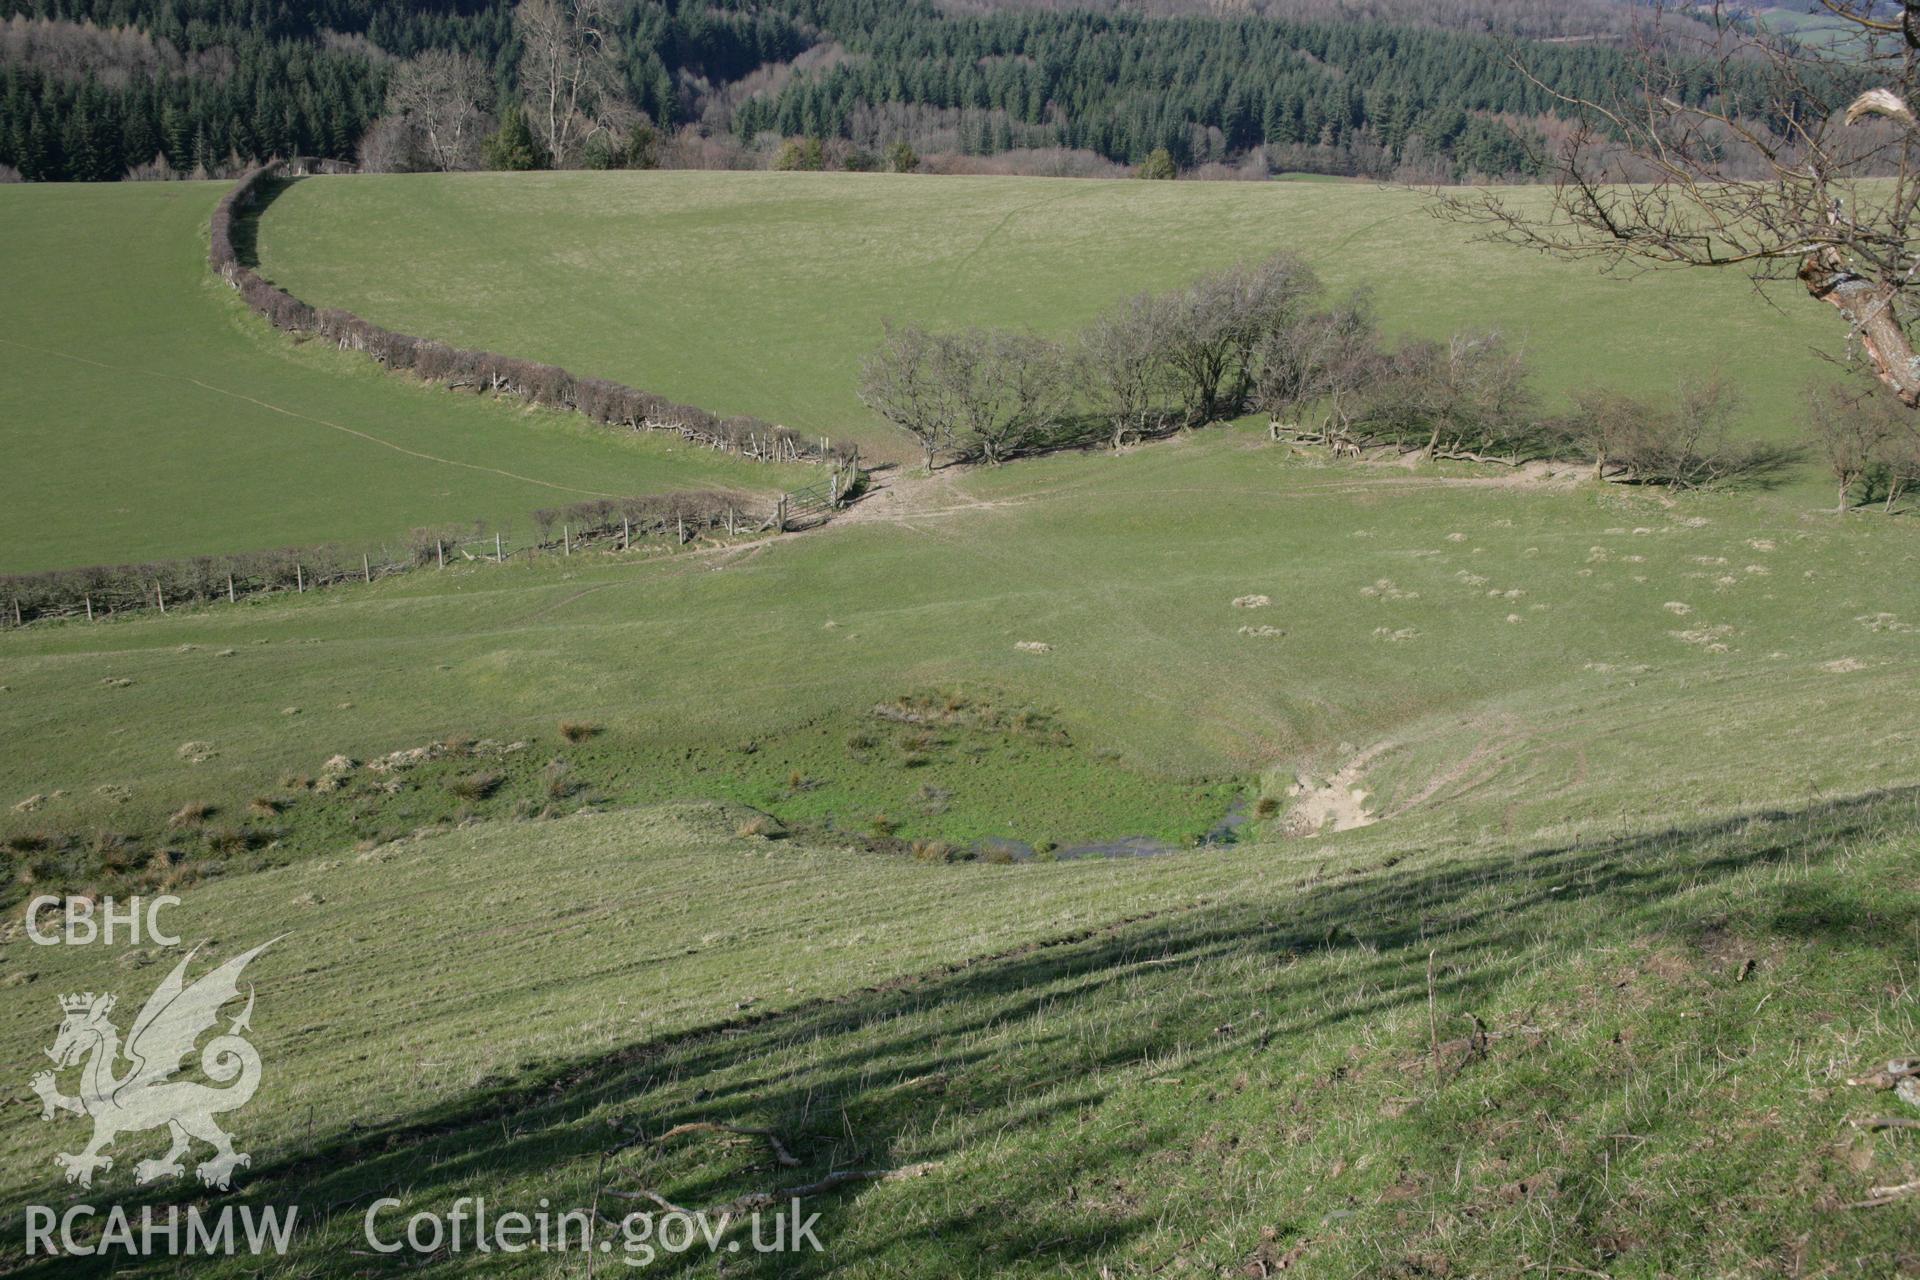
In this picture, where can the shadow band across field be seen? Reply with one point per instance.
(831, 1075)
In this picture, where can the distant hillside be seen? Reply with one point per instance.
(1613, 20)
(99, 89)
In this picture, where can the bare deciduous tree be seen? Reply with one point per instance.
(569, 73)
(440, 97)
(1325, 359)
(903, 381)
(1467, 396)
(1608, 426)
(1805, 165)
(1005, 389)
(1122, 358)
(1853, 427)
(1217, 323)
(1898, 459)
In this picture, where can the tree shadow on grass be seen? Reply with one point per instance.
(931, 1067)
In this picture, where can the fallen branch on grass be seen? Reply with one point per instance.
(1890, 1075)
(756, 1200)
(768, 1199)
(780, 1151)
(644, 1194)
(1887, 1122)
(1877, 1196)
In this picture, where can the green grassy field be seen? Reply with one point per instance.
(1199, 1065)
(709, 836)
(144, 414)
(759, 292)
(1447, 619)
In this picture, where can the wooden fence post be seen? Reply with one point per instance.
(366, 567)
(159, 596)
(680, 526)
(729, 522)
(89, 607)
(231, 599)
(16, 612)
(780, 515)
(299, 578)
(626, 533)
(440, 552)
(566, 539)
(498, 556)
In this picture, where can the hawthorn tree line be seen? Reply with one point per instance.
(1262, 336)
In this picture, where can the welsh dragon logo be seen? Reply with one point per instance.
(146, 1096)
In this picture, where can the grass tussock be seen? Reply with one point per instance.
(192, 814)
(229, 838)
(558, 780)
(934, 851)
(475, 786)
(578, 731)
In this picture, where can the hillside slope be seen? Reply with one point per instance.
(759, 293)
(144, 414)
(1510, 653)
(1383, 1053)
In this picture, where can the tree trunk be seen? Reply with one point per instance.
(1869, 310)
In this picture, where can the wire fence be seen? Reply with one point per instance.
(646, 523)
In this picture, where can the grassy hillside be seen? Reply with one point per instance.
(144, 414)
(1386, 1053)
(792, 833)
(1512, 654)
(759, 292)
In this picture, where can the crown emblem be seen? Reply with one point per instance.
(86, 1003)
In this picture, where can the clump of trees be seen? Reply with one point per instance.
(1684, 441)
(573, 108)
(981, 393)
(1468, 397)
(1261, 336)
(1150, 364)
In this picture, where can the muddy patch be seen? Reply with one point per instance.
(1337, 803)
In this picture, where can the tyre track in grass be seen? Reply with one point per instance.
(958, 270)
(305, 417)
